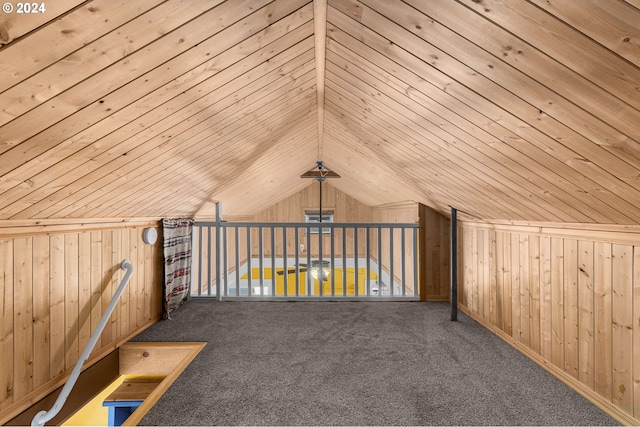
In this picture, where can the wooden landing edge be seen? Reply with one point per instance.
(154, 396)
(606, 406)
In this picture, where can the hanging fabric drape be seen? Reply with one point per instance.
(177, 262)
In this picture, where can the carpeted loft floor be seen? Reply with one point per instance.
(354, 363)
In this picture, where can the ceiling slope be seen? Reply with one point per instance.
(482, 110)
(504, 109)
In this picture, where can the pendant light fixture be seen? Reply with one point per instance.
(320, 269)
(320, 173)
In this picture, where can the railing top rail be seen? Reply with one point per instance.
(308, 224)
(315, 298)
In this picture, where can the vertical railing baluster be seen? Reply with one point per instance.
(237, 246)
(344, 261)
(273, 261)
(209, 260)
(379, 261)
(297, 260)
(367, 255)
(218, 229)
(332, 262)
(225, 244)
(308, 271)
(250, 272)
(403, 260)
(355, 258)
(261, 259)
(199, 261)
(284, 260)
(391, 261)
(218, 263)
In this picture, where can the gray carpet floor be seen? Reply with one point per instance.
(354, 363)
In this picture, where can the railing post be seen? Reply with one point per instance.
(297, 260)
(454, 264)
(200, 262)
(320, 281)
(422, 253)
(414, 238)
(218, 254)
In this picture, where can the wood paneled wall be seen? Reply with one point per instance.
(291, 209)
(435, 258)
(567, 296)
(56, 279)
(406, 212)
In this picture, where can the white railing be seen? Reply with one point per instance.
(43, 416)
(240, 260)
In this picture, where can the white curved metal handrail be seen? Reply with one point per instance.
(43, 416)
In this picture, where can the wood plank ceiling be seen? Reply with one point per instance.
(505, 109)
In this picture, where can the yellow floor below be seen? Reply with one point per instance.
(339, 282)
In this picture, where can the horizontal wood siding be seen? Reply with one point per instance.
(566, 297)
(54, 286)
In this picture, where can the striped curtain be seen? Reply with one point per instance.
(177, 262)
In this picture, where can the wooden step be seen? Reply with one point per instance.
(134, 389)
